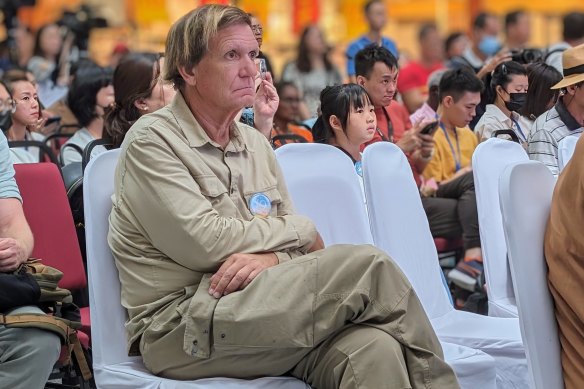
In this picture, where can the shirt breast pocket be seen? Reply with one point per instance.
(213, 189)
(257, 202)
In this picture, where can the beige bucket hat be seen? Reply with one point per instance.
(573, 63)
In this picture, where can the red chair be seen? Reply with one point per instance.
(48, 213)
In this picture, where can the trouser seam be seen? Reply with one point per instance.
(354, 372)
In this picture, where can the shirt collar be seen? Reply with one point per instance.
(196, 135)
(566, 117)
(499, 115)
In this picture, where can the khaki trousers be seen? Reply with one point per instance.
(343, 317)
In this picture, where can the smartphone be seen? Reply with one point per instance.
(51, 120)
(429, 128)
(262, 68)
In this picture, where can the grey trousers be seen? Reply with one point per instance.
(343, 317)
(27, 355)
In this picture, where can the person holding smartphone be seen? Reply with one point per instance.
(377, 71)
(453, 203)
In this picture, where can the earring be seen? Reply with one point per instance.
(145, 108)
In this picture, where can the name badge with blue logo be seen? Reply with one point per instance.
(260, 205)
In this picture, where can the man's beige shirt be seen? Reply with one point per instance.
(180, 209)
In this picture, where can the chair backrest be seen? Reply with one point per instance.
(566, 150)
(489, 160)
(56, 140)
(46, 154)
(324, 186)
(525, 194)
(399, 223)
(107, 314)
(48, 213)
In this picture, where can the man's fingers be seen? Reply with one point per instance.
(251, 277)
(226, 278)
(8, 253)
(238, 280)
(6, 243)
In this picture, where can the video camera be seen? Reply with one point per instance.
(80, 23)
(526, 56)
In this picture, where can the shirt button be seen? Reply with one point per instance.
(222, 336)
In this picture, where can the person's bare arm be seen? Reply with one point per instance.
(265, 106)
(16, 240)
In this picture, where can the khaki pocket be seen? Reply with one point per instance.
(272, 193)
(274, 311)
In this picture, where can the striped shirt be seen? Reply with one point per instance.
(547, 131)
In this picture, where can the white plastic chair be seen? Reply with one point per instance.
(488, 162)
(400, 227)
(323, 185)
(566, 149)
(113, 369)
(526, 193)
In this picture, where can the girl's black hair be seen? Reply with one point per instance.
(501, 76)
(541, 78)
(337, 100)
(82, 96)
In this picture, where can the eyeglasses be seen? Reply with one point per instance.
(7, 104)
(257, 28)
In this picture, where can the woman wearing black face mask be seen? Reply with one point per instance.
(507, 95)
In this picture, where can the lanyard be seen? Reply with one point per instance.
(389, 128)
(523, 137)
(457, 161)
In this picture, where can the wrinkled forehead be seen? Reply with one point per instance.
(236, 36)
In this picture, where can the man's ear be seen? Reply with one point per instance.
(571, 90)
(361, 81)
(447, 101)
(335, 123)
(188, 74)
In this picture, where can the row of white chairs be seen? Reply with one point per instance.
(485, 352)
(489, 161)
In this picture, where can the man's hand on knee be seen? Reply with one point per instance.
(238, 271)
(12, 254)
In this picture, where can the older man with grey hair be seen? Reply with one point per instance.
(218, 275)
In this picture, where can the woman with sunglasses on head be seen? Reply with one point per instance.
(505, 96)
(21, 100)
(138, 90)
